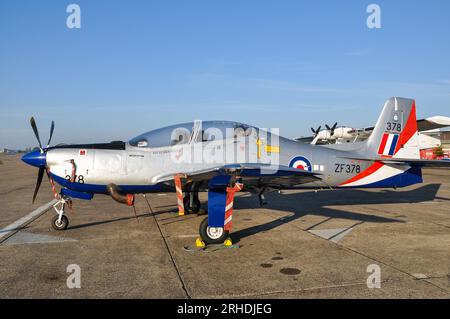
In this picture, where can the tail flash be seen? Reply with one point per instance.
(395, 134)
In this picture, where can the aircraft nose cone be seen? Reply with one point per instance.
(35, 158)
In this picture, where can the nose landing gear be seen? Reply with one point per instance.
(60, 221)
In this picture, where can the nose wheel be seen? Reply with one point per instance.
(60, 221)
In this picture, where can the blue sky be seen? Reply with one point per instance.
(138, 65)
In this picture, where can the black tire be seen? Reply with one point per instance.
(195, 208)
(60, 226)
(207, 235)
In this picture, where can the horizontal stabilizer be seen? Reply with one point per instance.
(403, 161)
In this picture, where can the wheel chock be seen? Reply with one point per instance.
(199, 243)
(228, 242)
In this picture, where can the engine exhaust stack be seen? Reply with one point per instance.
(118, 196)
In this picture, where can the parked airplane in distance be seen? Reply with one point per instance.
(344, 134)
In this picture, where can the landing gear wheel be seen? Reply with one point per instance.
(212, 235)
(62, 225)
(194, 209)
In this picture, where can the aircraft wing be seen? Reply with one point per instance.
(433, 123)
(261, 175)
(419, 162)
(362, 132)
(307, 139)
(407, 161)
(312, 140)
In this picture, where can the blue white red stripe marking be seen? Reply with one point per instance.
(388, 144)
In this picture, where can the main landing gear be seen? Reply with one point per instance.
(190, 200)
(60, 221)
(215, 228)
(212, 235)
(191, 203)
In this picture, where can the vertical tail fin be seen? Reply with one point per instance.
(395, 134)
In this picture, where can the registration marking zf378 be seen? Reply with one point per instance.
(347, 168)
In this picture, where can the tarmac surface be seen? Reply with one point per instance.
(303, 244)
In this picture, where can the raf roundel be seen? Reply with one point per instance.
(302, 163)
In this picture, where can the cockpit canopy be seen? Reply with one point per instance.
(200, 131)
(165, 136)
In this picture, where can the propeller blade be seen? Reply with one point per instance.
(316, 131)
(52, 128)
(333, 128)
(38, 182)
(328, 128)
(35, 130)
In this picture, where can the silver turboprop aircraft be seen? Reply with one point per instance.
(224, 157)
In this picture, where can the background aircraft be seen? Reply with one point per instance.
(224, 157)
(344, 134)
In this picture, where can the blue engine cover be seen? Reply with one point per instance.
(75, 194)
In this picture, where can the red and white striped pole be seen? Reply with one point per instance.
(229, 205)
(179, 191)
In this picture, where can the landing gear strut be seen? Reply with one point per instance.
(262, 198)
(60, 221)
(190, 201)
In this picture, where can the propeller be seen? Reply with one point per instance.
(331, 129)
(42, 165)
(52, 128)
(36, 132)
(316, 131)
(38, 182)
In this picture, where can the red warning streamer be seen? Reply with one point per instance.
(229, 205)
(179, 190)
